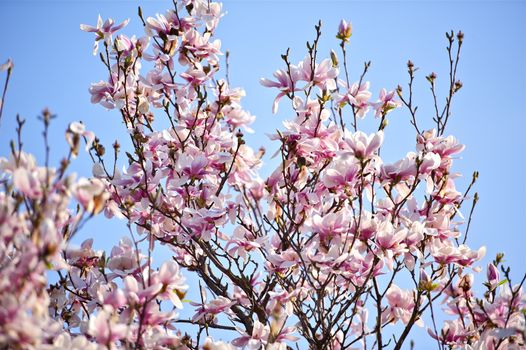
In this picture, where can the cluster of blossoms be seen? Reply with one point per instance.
(330, 251)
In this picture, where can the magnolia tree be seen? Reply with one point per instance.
(336, 249)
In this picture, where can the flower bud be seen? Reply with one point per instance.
(493, 274)
(344, 31)
(334, 59)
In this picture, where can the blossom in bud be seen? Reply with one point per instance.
(334, 59)
(426, 283)
(493, 275)
(344, 31)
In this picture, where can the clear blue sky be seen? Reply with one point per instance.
(54, 67)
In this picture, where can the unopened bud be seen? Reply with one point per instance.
(458, 85)
(431, 77)
(344, 31)
(100, 150)
(493, 274)
(460, 36)
(425, 283)
(334, 59)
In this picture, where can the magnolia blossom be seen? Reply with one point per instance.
(331, 247)
(363, 146)
(206, 313)
(386, 103)
(91, 194)
(401, 304)
(103, 31)
(357, 95)
(285, 83)
(256, 340)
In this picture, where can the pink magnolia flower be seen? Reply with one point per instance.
(453, 333)
(73, 134)
(172, 281)
(194, 167)
(282, 261)
(330, 225)
(210, 344)
(103, 31)
(285, 83)
(363, 146)
(30, 183)
(91, 194)
(322, 75)
(104, 327)
(401, 170)
(341, 173)
(242, 242)
(356, 95)
(401, 304)
(493, 276)
(196, 47)
(195, 75)
(280, 301)
(256, 340)
(66, 341)
(386, 103)
(123, 258)
(206, 312)
(443, 146)
(168, 26)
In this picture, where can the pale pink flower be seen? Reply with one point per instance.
(285, 83)
(172, 281)
(256, 340)
(453, 333)
(207, 312)
(91, 194)
(401, 304)
(386, 103)
(323, 75)
(73, 134)
(363, 146)
(28, 182)
(210, 344)
(105, 328)
(330, 225)
(356, 95)
(342, 172)
(103, 31)
(123, 258)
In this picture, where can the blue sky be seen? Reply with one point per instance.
(54, 67)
